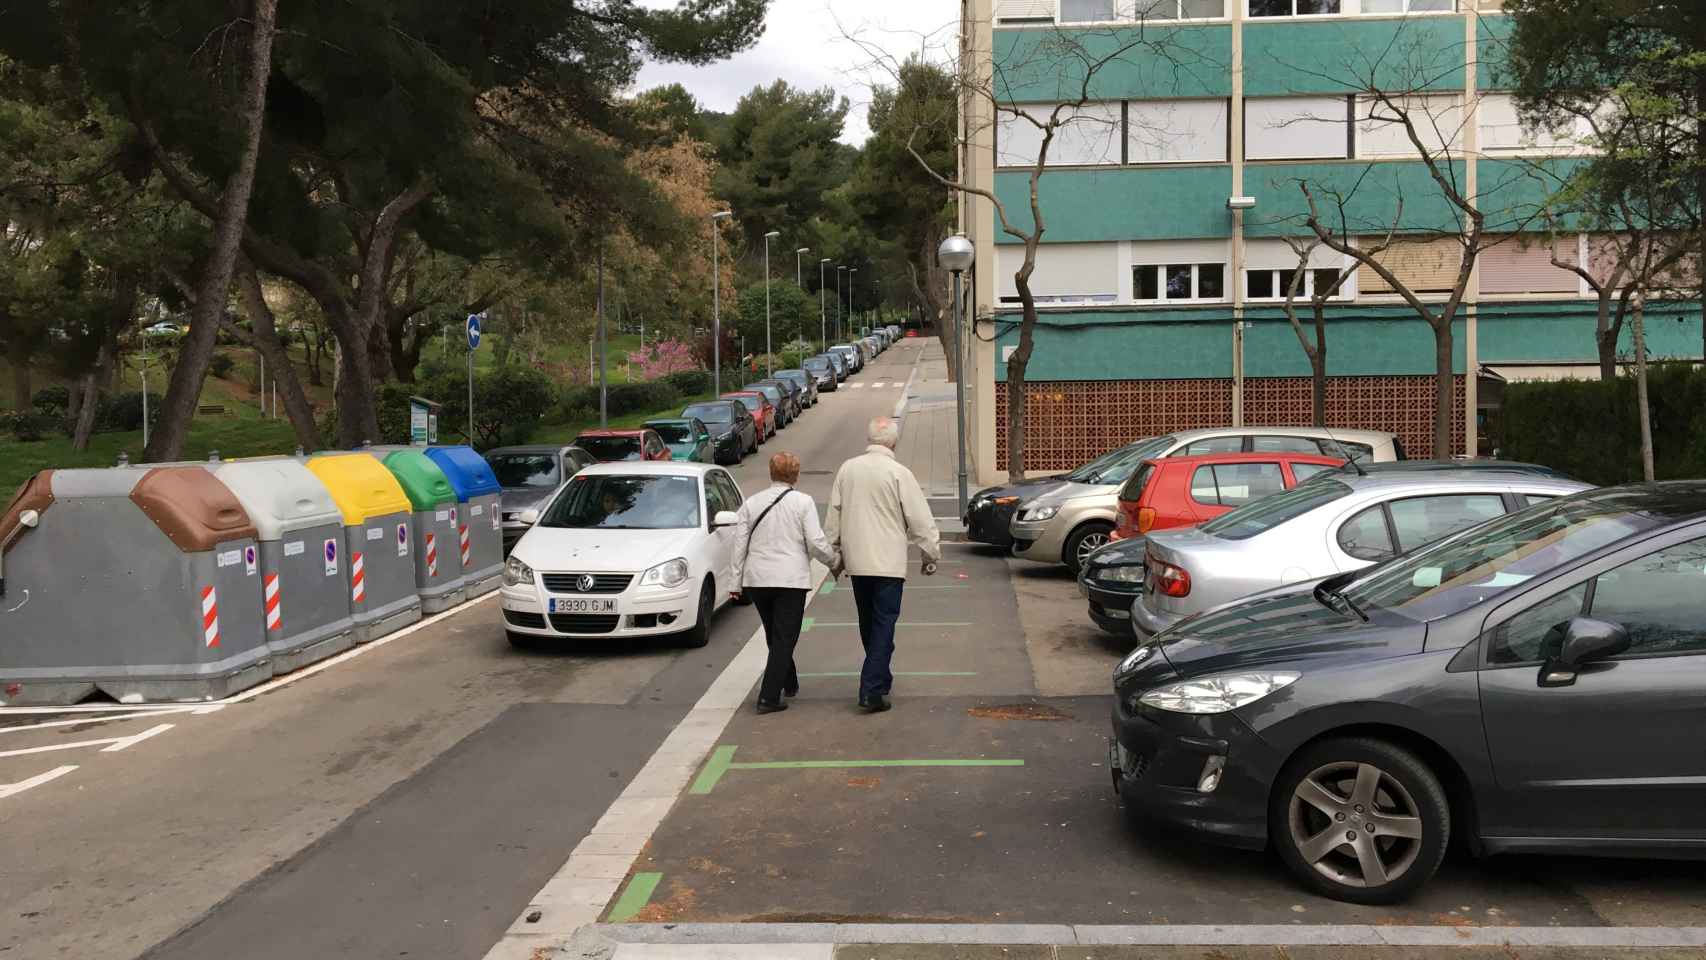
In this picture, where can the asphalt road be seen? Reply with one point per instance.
(406, 802)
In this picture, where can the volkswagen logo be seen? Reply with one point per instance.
(585, 583)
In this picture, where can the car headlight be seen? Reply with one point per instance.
(1129, 573)
(1041, 513)
(1221, 694)
(672, 573)
(1133, 660)
(517, 573)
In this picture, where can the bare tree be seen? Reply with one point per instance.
(1317, 351)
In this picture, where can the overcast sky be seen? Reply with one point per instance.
(804, 45)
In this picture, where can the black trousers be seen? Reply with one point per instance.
(782, 609)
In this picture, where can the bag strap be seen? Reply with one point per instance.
(754, 528)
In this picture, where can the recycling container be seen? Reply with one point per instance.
(435, 517)
(135, 582)
(304, 564)
(480, 538)
(378, 539)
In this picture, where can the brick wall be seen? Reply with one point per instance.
(1069, 422)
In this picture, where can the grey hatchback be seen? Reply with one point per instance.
(1533, 684)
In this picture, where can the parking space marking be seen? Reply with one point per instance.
(108, 744)
(858, 386)
(108, 718)
(634, 898)
(13, 789)
(722, 761)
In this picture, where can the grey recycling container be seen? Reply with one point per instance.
(305, 585)
(134, 583)
(436, 516)
(480, 537)
(378, 540)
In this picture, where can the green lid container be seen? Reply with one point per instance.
(422, 481)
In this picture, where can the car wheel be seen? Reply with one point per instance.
(701, 632)
(1084, 541)
(1360, 820)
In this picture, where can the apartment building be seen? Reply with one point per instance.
(1173, 203)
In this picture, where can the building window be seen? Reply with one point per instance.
(1170, 282)
(1437, 117)
(1064, 273)
(1180, 9)
(1086, 11)
(1296, 128)
(1293, 8)
(1275, 284)
(1176, 131)
(1092, 134)
(1409, 6)
(1502, 130)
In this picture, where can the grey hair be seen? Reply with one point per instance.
(884, 431)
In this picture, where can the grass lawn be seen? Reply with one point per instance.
(232, 437)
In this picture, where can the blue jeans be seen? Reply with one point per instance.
(878, 599)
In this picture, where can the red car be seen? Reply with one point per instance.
(615, 446)
(1186, 491)
(763, 411)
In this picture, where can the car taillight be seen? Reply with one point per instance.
(1166, 579)
(1145, 519)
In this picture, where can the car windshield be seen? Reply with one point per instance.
(609, 449)
(1260, 516)
(817, 366)
(605, 502)
(710, 412)
(525, 470)
(1115, 467)
(673, 432)
(1485, 561)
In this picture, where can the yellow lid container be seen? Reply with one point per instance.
(360, 485)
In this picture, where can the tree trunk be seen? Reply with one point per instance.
(314, 345)
(1642, 407)
(22, 388)
(405, 349)
(261, 320)
(184, 389)
(1445, 388)
(1318, 368)
(1605, 337)
(104, 364)
(1016, 365)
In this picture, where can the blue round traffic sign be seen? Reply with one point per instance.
(473, 331)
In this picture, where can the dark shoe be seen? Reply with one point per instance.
(771, 707)
(873, 704)
(791, 692)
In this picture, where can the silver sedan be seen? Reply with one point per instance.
(1330, 525)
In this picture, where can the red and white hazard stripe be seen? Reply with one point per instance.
(465, 551)
(275, 619)
(358, 579)
(432, 555)
(210, 615)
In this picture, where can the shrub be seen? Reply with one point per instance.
(627, 398)
(690, 383)
(123, 413)
(53, 401)
(220, 365)
(1590, 429)
(30, 427)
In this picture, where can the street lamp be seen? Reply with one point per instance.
(823, 314)
(852, 285)
(838, 272)
(799, 280)
(716, 310)
(957, 255)
(768, 372)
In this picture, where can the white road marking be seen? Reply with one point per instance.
(111, 744)
(104, 719)
(13, 789)
(857, 386)
(880, 384)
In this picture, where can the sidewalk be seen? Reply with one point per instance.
(929, 442)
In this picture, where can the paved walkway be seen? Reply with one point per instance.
(929, 444)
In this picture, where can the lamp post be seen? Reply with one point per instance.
(822, 313)
(852, 286)
(957, 254)
(716, 310)
(800, 281)
(838, 272)
(768, 364)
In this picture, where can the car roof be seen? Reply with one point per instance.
(1472, 466)
(1445, 479)
(530, 449)
(665, 468)
(1269, 457)
(635, 432)
(671, 421)
(1324, 433)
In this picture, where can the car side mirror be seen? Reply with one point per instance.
(725, 518)
(530, 516)
(1586, 640)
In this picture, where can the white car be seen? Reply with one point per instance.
(633, 549)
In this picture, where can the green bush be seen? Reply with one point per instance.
(628, 398)
(690, 383)
(123, 412)
(1590, 429)
(54, 401)
(220, 365)
(29, 427)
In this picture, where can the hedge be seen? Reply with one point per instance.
(1589, 429)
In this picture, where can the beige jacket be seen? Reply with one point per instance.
(875, 509)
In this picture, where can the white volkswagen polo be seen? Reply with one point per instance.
(626, 550)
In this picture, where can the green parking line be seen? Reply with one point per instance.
(634, 898)
(855, 673)
(806, 624)
(828, 587)
(713, 770)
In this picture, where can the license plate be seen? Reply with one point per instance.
(562, 605)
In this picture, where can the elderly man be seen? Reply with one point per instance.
(875, 509)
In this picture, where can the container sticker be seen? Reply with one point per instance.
(230, 558)
(476, 510)
(443, 515)
(495, 519)
(331, 554)
(377, 533)
(295, 548)
(249, 560)
(453, 517)
(402, 539)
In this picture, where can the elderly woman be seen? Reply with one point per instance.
(779, 536)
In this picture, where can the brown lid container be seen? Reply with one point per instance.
(192, 508)
(36, 494)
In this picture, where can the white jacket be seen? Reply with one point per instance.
(875, 509)
(779, 552)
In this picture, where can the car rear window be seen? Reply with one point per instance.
(673, 432)
(1269, 512)
(609, 449)
(710, 412)
(525, 469)
(1134, 487)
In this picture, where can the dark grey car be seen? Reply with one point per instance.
(781, 395)
(1536, 684)
(529, 475)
